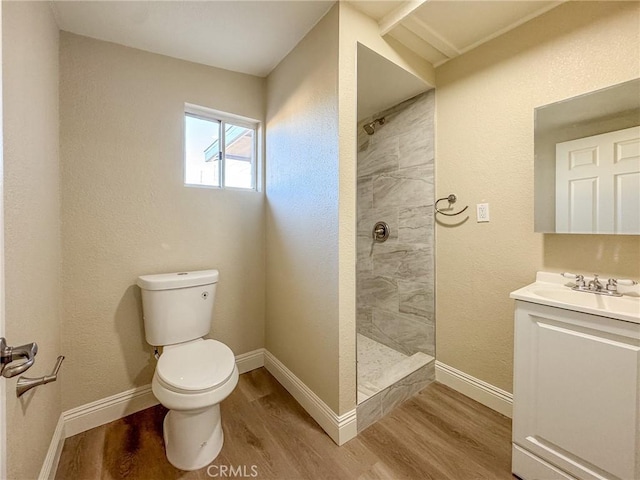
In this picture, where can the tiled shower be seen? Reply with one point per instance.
(395, 278)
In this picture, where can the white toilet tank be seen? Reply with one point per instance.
(177, 307)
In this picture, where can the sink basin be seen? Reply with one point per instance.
(564, 294)
(552, 290)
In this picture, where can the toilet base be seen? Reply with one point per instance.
(193, 439)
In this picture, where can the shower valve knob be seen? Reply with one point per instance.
(380, 231)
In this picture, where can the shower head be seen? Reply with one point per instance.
(370, 128)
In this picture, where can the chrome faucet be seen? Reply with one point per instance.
(595, 286)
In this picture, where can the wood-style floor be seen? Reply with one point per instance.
(438, 434)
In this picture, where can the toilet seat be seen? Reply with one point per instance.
(175, 399)
(195, 367)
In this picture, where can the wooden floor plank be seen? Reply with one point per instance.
(438, 434)
(247, 438)
(82, 456)
(477, 432)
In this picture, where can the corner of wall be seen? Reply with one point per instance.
(32, 230)
(302, 187)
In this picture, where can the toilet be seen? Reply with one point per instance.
(193, 375)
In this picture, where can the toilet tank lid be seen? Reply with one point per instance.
(167, 281)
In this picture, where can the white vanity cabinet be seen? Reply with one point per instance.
(576, 410)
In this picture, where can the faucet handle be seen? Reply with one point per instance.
(570, 275)
(612, 284)
(577, 277)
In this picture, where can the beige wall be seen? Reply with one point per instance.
(32, 223)
(311, 205)
(302, 210)
(485, 101)
(126, 212)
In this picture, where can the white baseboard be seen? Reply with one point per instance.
(50, 464)
(341, 428)
(250, 360)
(105, 410)
(480, 391)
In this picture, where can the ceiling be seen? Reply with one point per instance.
(441, 30)
(243, 36)
(253, 36)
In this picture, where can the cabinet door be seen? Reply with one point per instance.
(576, 395)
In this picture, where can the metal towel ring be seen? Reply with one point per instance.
(451, 199)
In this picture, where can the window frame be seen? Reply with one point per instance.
(223, 119)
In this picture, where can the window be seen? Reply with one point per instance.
(219, 150)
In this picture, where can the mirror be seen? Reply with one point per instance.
(587, 163)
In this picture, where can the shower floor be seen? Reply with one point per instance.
(380, 366)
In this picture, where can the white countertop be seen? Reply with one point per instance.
(554, 290)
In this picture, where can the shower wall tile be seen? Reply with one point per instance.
(404, 262)
(364, 321)
(408, 116)
(382, 159)
(395, 279)
(365, 194)
(424, 341)
(405, 187)
(407, 333)
(415, 149)
(380, 292)
(416, 299)
(363, 138)
(415, 224)
(364, 256)
(373, 332)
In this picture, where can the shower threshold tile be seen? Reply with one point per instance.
(404, 367)
(374, 357)
(379, 366)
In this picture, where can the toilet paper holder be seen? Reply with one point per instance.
(25, 383)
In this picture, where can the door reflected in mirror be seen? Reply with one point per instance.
(587, 163)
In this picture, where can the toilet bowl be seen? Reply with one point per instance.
(191, 380)
(193, 375)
